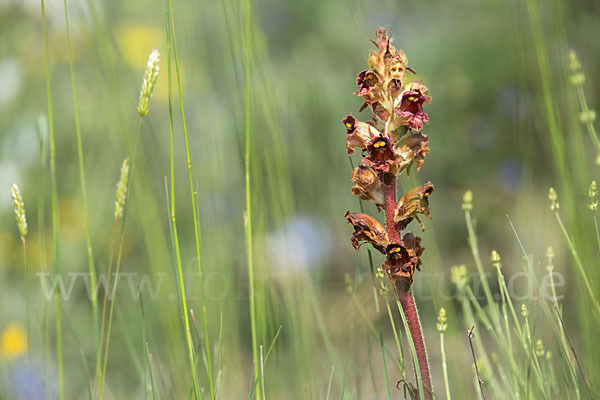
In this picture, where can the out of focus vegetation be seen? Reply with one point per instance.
(505, 123)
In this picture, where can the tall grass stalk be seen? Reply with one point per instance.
(173, 220)
(248, 216)
(54, 206)
(578, 262)
(194, 208)
(441, 327)
(88, 240)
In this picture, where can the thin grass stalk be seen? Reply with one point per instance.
(264, 361)
(470, 319)
(531, 358)
(181, 285)
(329, 384)
(546, 309)
(441, 327)
(194, 209)
(579, 264)
(471, 335)
(54, 206)
(248, 216)
(42, 127)
(27, 299)
(121, 241)
(473, 244)
(88, 240)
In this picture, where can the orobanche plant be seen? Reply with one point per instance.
(391, 143)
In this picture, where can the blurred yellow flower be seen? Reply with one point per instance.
(135, 42)
(13, 341)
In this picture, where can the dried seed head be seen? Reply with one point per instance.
(19, 210)
(441, 325)
(553, 197)
(150, 77)
(122, 190)
(467, 201)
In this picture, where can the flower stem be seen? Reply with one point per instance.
(405, 295)
(414, 325)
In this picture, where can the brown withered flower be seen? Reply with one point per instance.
(367, 185)
(413, 149)
(387, 61)
(359, 133)
(410, 109)
(413, 203)
(367, 230)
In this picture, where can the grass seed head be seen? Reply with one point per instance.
(441, 325)
(122, 190)
(19, 210)
(150, 77)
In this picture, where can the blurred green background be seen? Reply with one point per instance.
(504, 124)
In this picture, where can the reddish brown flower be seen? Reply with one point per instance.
(366, 81)
(367, 230)
(413, 203)
(412, 243)
(410, 109)
(413, 150)
(403, 259)
(381, 156)
(359, 133)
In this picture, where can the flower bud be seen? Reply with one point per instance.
(467, 201)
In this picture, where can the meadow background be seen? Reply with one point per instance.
(505, 124)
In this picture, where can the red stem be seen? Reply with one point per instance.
(412, 318)
(405, 296)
